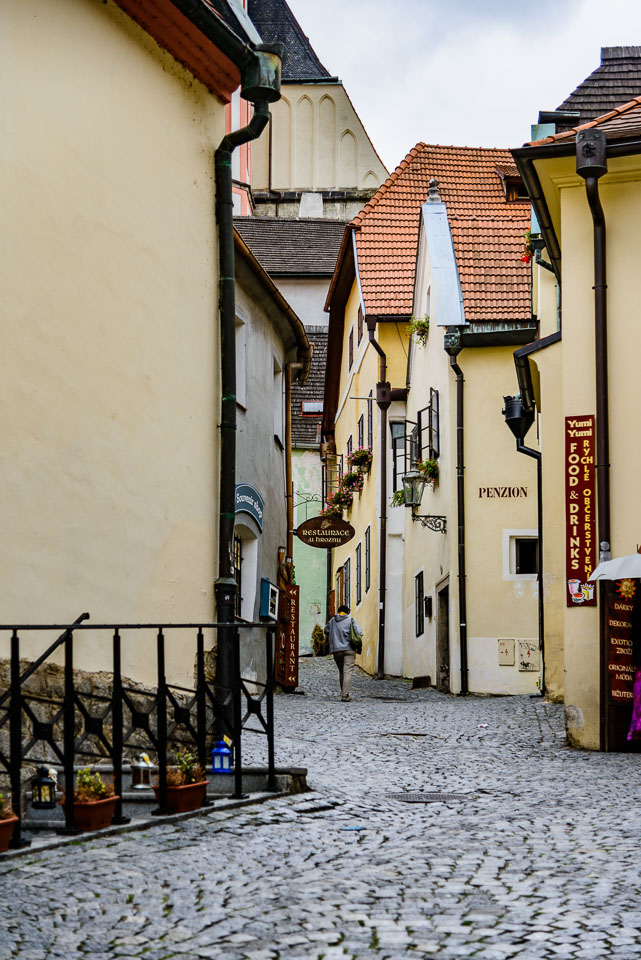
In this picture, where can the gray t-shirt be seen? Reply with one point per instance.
(338, 629)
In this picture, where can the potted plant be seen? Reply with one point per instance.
(419, 329)
(186, 784)
(8, 822)
(342, 498)
(528, 249)
(352, 481)
(94, 801)
(360, 459)
(429, 469)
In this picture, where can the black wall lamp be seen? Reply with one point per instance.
(413, 486)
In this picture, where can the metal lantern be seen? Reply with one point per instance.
(221, 758)
(413, 485)
(43, 786)
(141, 773)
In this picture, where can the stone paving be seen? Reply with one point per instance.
(541, 859)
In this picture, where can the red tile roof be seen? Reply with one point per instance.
(624, 121)
(487, 231)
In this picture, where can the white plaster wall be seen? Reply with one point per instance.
(306, 297)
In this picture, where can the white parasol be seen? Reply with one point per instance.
(618, 568)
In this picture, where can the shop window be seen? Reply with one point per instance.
(245, 571)
(359, 575)
(368, 560)
(419, 605)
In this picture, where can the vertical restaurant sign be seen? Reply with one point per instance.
(286, 666)
(580, 526)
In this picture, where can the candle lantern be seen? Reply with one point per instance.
(221, 758)
(43, 788)
(141, 773)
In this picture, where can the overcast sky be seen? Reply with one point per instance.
(464, 72)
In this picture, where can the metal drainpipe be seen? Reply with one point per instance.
(383, 400)
(591, 163)
(453, 347)
(225, 585)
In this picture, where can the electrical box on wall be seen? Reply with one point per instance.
(268, 600)
(529, 660)
(506, 653)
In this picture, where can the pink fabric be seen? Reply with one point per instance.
(635, 724)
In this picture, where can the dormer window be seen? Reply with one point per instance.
(513, 186)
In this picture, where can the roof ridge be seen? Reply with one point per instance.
(568, 134)
(384, 187)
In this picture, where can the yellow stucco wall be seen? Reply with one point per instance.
(620, 192)
(357, 382)
(109, 279)
(318, 141)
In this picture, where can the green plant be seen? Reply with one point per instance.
(188, 770)
(361, 459)
(6, 810)
(429, 468)
(319, 641)
(397, 499)
(91, 787)
(352, 481)
(528, 249)
(419, 329)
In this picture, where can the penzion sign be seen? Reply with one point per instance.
(325, 532)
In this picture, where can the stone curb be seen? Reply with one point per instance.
(37, 847)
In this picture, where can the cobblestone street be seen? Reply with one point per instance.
(539, 860)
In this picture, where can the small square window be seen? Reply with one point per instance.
(526, 555)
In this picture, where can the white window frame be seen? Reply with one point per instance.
(509, 553)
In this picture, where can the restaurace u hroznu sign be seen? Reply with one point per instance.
(325, 532)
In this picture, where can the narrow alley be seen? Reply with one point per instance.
(531, 853)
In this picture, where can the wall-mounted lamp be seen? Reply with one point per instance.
(413, 486)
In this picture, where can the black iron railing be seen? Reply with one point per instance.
(113, 725)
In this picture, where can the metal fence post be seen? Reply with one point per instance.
(69, 734)
(269, 702)
(15, 741)
(161, 713)
(237, 719)
(116, 720)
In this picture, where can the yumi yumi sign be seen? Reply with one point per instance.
(580, 527)
(325, 532)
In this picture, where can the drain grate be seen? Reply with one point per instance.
(431, 797)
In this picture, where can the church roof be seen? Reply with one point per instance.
(292, 247)
(276, 23)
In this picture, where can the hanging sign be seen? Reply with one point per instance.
(325, 532)
(580, 527)
(248, 500)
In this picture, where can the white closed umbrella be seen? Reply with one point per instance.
(618, 568)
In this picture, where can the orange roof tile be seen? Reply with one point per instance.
(621, 122)
(487, 232)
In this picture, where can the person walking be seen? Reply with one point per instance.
(338, 631)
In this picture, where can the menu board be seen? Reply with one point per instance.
(620, 663)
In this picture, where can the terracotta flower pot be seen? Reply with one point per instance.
(188, 797)
(92, 815)
(7, 827)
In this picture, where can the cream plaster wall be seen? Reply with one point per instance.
(109, 278)
(306, 297)
(318, 142)
(621, 197)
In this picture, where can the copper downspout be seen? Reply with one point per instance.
(383, 400)
(591, 164)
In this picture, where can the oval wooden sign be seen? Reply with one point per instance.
(325, 532)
